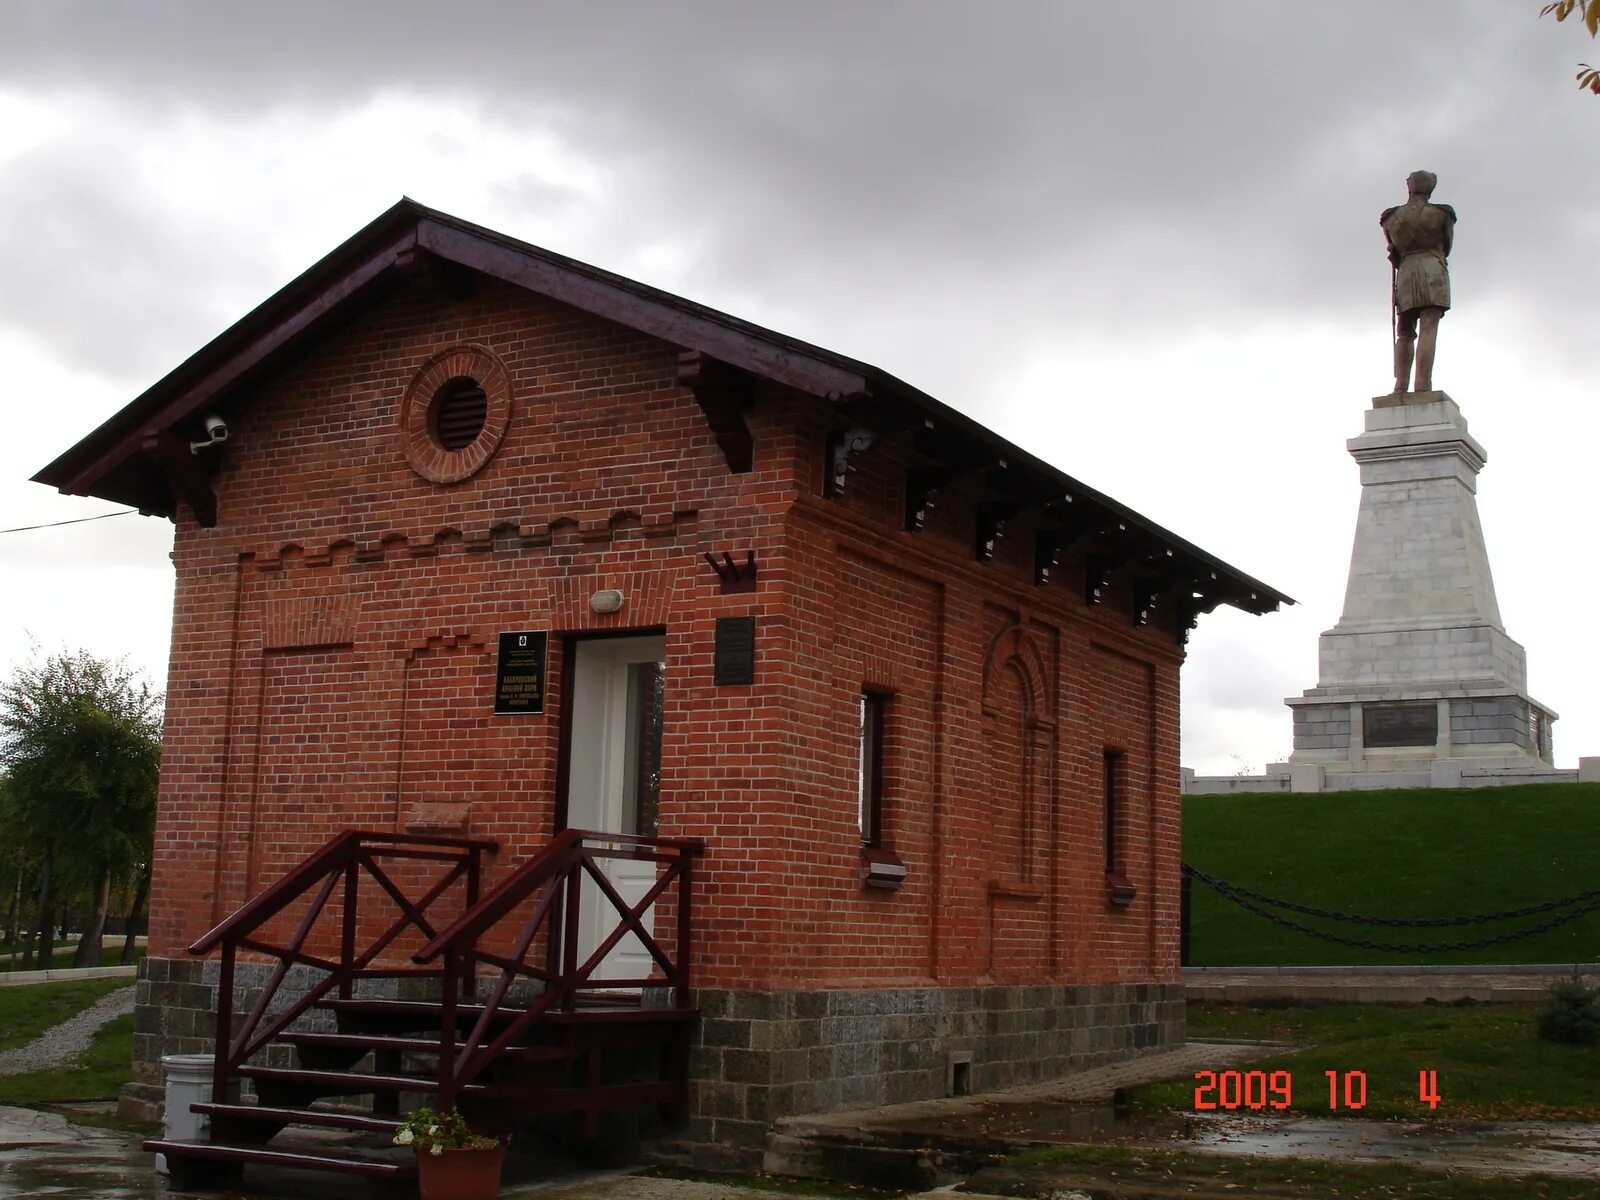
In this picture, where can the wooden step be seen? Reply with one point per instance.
(401, 1043)
(418, 1015)
(408, 1016)
(371, 1164)
(587, 1008)
(322, 1118)
(351, 1083)
(622, 1016)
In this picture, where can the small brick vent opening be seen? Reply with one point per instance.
(458, 412)
(455, 413)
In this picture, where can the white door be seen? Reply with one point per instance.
(613, 779)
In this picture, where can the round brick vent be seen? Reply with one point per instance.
(455, 413)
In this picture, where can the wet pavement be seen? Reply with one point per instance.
(42, 1154)
(1077, 1109)
(1478, 1148)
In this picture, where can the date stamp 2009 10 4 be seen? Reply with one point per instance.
(1258, 1091)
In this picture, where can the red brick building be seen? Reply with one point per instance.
(936, 776)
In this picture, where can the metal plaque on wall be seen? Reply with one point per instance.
(519, 673)
(1389, 725)
(735, 661)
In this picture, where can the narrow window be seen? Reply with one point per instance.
(1112, 763)
(870, 769)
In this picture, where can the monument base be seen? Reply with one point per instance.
(1409, 729)
(1419, 684)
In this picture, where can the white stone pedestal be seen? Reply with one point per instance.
(1419, 668)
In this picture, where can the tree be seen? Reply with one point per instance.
(15, 866)
(80, 741)
(1587, 11)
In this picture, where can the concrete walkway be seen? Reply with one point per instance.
(61, 974)
(43, 1154)
(108, 942)
(1380, 985)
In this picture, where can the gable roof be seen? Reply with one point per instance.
(122, 460)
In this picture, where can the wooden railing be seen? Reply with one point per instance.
(343, 859)
(554, 879)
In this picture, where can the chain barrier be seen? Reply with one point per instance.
(1222, 885)
(1242, 897)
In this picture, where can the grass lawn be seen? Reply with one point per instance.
(1490, 1064)
(98, 1073)
(1411, 853)
(27, 1011)
(1113, 1171)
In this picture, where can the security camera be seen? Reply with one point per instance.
(216, 433)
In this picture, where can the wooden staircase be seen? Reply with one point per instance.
(360, 1060)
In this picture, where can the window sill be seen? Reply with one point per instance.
(1119, 892)
(881, 869)
(1016, 889)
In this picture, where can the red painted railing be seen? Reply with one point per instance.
(554, 879)
(344, 858)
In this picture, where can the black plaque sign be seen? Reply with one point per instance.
(519, 673)
(736, 651)
(1385, 725)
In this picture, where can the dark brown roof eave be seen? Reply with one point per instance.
(105, 462)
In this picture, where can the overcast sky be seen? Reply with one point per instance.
(1139, 240)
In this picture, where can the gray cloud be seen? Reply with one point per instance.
(1201, 163)
(940, 188)
(84, 256)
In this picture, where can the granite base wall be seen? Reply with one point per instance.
(759, 1056)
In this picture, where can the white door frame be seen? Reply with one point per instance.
(602, 744)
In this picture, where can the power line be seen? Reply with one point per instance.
(74, 521)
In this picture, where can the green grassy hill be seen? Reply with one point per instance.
(1409, 853)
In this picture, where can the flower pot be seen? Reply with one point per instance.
(460, 1174)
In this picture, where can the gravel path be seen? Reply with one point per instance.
(60, 1044)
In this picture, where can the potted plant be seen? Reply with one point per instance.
(453, 1163)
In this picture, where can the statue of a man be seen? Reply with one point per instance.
(1419, 234)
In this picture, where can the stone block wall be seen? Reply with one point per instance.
(1322, 728)
(763, 1056)
(1496, 720)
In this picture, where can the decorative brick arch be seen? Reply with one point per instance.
(1017, 735)
(1014, 647)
